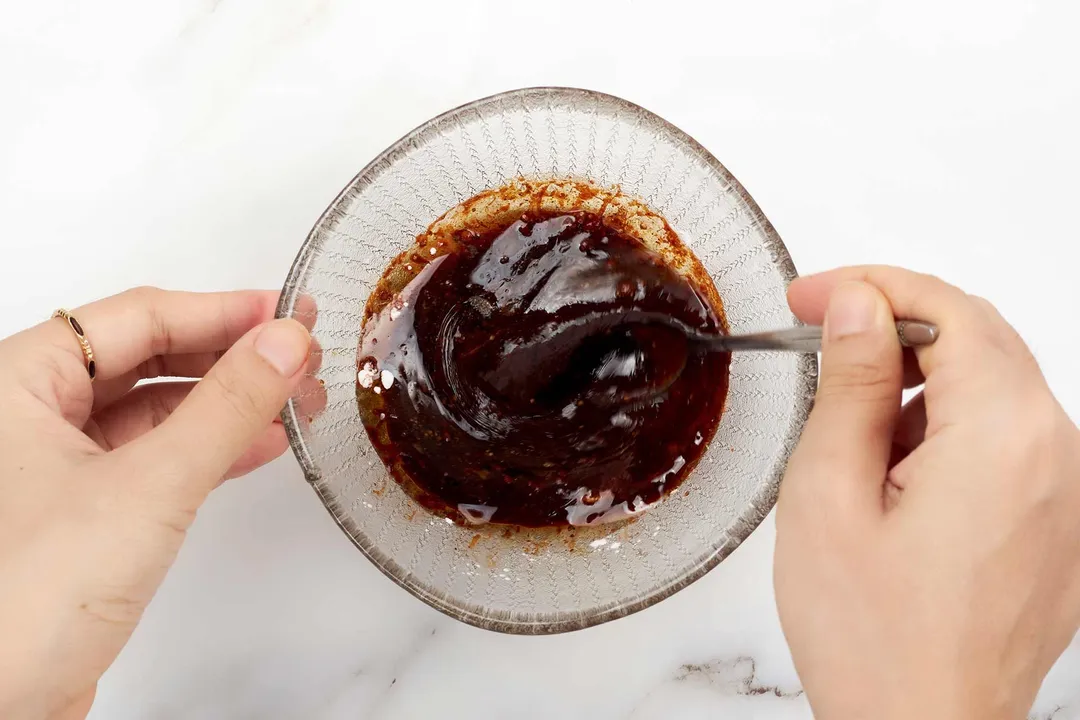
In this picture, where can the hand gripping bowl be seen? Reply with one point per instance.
(542, 581)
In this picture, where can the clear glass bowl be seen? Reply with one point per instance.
(539, 581)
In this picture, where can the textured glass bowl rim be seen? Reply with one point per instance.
(559, 622)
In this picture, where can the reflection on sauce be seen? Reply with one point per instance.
(479, 428)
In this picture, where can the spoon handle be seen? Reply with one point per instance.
(807, 339)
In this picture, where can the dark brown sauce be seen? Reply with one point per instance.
(477, 427)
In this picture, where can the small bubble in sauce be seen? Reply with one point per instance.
(369, 370)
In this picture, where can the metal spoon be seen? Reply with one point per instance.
(525, 368)
(805, 339)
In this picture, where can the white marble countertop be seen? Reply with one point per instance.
(192, 143)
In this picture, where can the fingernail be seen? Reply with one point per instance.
(284, 344)
(853, 309)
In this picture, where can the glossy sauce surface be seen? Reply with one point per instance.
(505, 382)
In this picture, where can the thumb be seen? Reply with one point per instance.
(845, 446)
(229, 408)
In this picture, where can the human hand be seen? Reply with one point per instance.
(99, 483)
(927, 561)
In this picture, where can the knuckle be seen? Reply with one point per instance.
(986, 314)
(926, 296)
(920, 281)
(930, 279)
(148, 298)
(940, 287)
(995, 331)
(144, 293)
(245, 399)
(57, 377)
(860, 378)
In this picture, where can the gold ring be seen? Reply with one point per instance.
(84, 343)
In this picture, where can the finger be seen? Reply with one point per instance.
(143, 409)
(913, 376)
(992, 315)
(911, 295)
(226, 411)
(193, 365)
(305, 311)
(315, 357)
(808, 300)
(910, 432)
(268, 446)
(134, 326)
(911, 427)
(138, 412)
(843, 455)
(310, 399)
(1000, 334)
